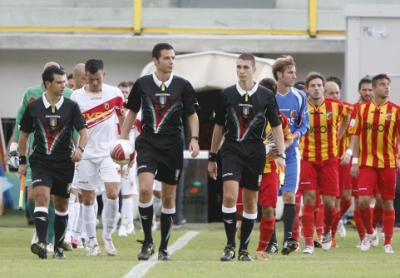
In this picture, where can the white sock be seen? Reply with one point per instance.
(110, 212)
(71, 215)
(90, 222)
(127, 211)
(79, 225)
(135, 200)
(77, 209)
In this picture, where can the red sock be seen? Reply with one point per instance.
(335, 223)
(376, 216)
(388, 223)
(366, 219)
(266, 230)
(329, 217)
(344, 206)
(359, 225)
(308, 223)
(320, 220)
(296, 227)
(239, 217)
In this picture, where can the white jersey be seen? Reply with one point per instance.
(100, 111)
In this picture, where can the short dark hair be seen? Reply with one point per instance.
(314, 75)
(336, 80)
(123, 84)
(270, 84)
(380, 76)
(94, 65)
(364, 80)
(48, 74)
(300, 85)
(248, 57)
(130, 83)
(156, 53)
(70, 76)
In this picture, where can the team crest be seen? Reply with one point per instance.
(388, 116)
(245, 111)
(162, 100)
(329, 116)
(106, 106)
(293, 114)
(53, 123)
(177, 174)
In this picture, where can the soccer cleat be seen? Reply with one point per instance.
(146, 251)
(388, 249)
(359, 244)
(49, 247)
(289, 246)
(58, 253)
(39, 249)
(244, 256)
(317, 242)
(80, 244)
(74, 243)
(375, 240)
(334, 244)
(238, 229)
(130, 229)
(272, 248)
(122, 231)
(164, 256)
(66, 245)
(229, 254)
(34, 237)
(309, 249)
(262, 256)
(109, 246)
(341, 230)
(94, 251)
(326, 241)
(366, 243)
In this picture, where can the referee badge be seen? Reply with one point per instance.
(388, 116)
(329, 116)
(245, 111)
(162, 100)
(53, 123)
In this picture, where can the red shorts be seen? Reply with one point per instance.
(354, 185)
(268, 194)
(344, 179)
(374, 181)
(320, 174)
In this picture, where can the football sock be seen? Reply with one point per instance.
(50, 228)
(60, 227)
(41, 222)
(167, 221)
(335, 223)
(266, 230)
(308, 223)
(296, 226)
(366, 219)
(110, 215)
(288, 217)
(329, 217)
(359, 225)
(344, 206)
(146, 217)
(229, 218)
(248, 223)
(388, 220)
(127, 211)
(79, 225)
(319, 220)
(376, 216)
(77, 210)
(71, 215)
(89, 220)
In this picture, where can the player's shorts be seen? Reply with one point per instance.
(54, 171)
(28, 175)
(344, 179)
(384, 179)
(90, 173)
(161, 155)
(268, 195)
(320, 174)
(292, 171)
(129, 184)
(243, 162)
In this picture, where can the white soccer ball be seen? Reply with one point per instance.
(122, 152)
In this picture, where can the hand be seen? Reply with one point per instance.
(22, 170)
(76, 155)
(268, 148)
(355, 170)
(281, 163)
(13, 155)
(345, 159)
(194, 148)
(212, 169)
(273, 148)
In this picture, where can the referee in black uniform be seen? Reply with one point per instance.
(51, 118)
(162, 97)
(241, 114)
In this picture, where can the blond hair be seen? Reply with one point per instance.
(281, 64)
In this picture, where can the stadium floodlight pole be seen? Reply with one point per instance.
(137, 17)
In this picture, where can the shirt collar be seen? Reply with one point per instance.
(166, 83)
(47, 104)
(243, 92)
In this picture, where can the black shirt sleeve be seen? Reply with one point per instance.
(77, 117)
(220, 110)
(272, 112)
(26, 123)
(134, 100)
(189, 99)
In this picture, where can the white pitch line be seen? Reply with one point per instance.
(141, 269)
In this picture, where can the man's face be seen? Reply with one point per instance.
(57, 86)
(166, 62)
(366, 92)
(125, 91)
(315, 89)
(244, 70)
(71, 83)
(79, 80)
(332, 90)
(382, 88)
(95, 80)
(288, 77)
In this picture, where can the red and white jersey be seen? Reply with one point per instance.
(100, 111)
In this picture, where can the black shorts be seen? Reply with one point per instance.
(55, 172)
(243, 162)
(161, 155)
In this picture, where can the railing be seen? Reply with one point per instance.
(138, 27)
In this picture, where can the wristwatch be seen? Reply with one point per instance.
(81, 148)
(195, 138)
(281, 155)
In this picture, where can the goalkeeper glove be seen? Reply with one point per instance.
(13, 158)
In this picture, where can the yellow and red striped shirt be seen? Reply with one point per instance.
(270, 163)
(321, 141)
(379, 129)
(345, 141)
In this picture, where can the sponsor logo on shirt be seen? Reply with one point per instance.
(141, 166)
(227, 174)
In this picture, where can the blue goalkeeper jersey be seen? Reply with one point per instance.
(294, 106)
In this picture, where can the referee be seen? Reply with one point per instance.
(51, 118)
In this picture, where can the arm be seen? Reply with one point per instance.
(76, 155)
(194, 131)
(215, 143)
(343, 126)
(280, 144)
(127, 124)
(22, 149)
(355, 145)
(303, 122)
